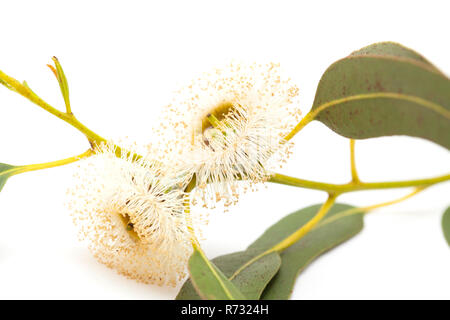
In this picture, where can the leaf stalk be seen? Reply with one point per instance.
(354, 186)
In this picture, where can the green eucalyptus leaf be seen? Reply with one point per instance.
(338, 225)
(209, 281)
(6, 171)
(446, 225)
(385, 89)
(251, 282)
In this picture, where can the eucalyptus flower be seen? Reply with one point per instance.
(131, 214)
(230, 125)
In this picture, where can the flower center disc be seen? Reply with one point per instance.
(219, 112)
(129, 226)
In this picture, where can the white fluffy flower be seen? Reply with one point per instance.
(230, 124)
(132, 216)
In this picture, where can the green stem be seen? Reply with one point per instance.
(46, 165)
(190, 226)
(305, 120)
(69, 118)
(317, 222)
(367, 209)
(300, 233)
(294, 237)
(354, 186)
(355, 177)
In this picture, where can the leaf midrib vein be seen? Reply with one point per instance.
(216, 275)
(7, 172)
(420, 101)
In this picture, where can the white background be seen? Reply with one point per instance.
(123, 61)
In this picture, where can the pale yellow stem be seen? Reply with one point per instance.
(300, 233)
(294, 237)
(367, 209)
(46, 165)
(355, 177)
(189, 224)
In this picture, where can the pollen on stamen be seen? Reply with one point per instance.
(131, 214)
